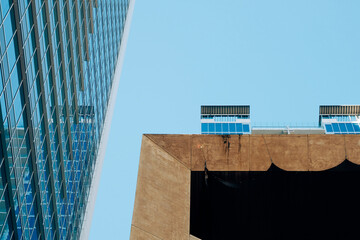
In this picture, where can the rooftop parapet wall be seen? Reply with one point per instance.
(256, 152)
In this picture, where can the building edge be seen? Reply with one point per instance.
(90, 205)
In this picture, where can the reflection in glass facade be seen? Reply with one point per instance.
(57, 62)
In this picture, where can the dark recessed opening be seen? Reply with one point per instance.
(277, 204)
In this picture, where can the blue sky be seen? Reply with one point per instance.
(282, 57)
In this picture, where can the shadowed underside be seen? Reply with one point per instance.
(276, 204)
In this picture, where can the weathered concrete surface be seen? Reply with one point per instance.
(138, 234)
(288, 152)
(352, 148)
(229, 153)
(215, 150)
(260, 159)
(162, 202)
(176, 145)
(326, 151)
(257, 152)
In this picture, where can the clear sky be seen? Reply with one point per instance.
(282, 57)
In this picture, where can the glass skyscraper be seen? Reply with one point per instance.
(60, 62)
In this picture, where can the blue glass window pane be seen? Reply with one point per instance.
(204, 127)
(5, 7)
(232, 127)
(238, 127)
(218, 127)
(211, 127)
(328, 128)
(336, 127)
(356, 127)
(225, 127)
(342, 127)
(349, 127)
(9, 23)
(246, 128)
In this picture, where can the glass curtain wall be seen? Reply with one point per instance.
(57, 60)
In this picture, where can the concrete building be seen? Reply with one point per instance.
(59, 73)
(250, 186)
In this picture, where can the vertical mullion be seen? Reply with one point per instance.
(102, 65)
(82, 87)
(73, 77)
(55, 96)
(91, 16)
(64, 88)
(28, 124)
(5, 175)
(45, 120)
(85, 25)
